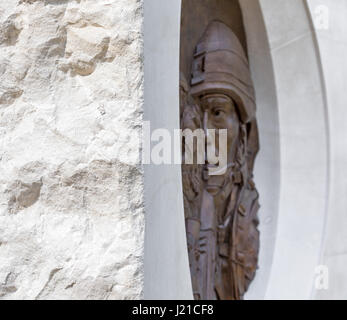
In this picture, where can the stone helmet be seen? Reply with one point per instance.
(220, 65)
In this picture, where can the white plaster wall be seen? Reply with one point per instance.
(71, 189)
(268, 162)
(304, 149)
(292, 115)
(167, 274)
(332, 44)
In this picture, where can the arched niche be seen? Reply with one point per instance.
(196, 15)
(296, 86)
(166, 268)
(291, 169)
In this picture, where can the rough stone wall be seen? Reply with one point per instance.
(71, 206)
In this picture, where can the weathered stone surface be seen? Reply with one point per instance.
(71, 207)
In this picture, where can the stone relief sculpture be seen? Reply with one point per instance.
(221, 210)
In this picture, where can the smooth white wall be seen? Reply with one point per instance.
(304, 149)
(267, 165)
(332, 43)
(167, 274)
(293, 121)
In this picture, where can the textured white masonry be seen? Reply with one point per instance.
(71, 192)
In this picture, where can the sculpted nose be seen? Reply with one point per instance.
(206, 124)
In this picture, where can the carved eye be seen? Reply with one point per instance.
(218, 112)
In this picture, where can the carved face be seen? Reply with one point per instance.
(219, 112)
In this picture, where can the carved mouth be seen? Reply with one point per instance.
(213, 189)
(217, 170)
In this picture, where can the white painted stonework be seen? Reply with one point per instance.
(71, 189)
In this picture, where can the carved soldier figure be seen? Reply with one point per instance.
(224, 225)
(192, 183)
